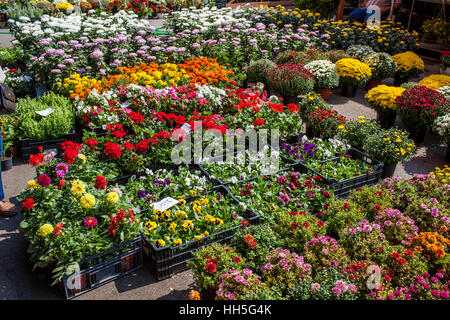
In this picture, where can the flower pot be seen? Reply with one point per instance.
(291, 99)
(447, 156)
(348, 91)
(417, 134)
(386, 119)
(7, 163)
(12, 152)
(399, 80)
(388, 170)
(372, 83)
(325, 93)
(309, 131)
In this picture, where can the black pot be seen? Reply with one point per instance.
(398, 80)
(7, 164)
(291, 99)
(417, 134)
(309, 131)
(447, 156)
(386, 119)
(348, 91)
(388, 170)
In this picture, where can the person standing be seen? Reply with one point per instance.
(361, 14)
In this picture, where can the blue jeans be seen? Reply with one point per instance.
(2, 195)
(360, 14)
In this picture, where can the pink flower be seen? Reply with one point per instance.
(336, 291)
(90, 222)
(44, 180)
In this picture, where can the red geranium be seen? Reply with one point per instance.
(211, 268)
(35, 159)
(112, 150)
(91, 143)
(258, 122)
(142, 146)
(71, 150)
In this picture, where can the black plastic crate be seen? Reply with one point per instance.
(342, 188)
(167, 261)
(29, 147)
(128, 259)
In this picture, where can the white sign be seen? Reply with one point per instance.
(186, 127)
(164, 204)
(45, 112)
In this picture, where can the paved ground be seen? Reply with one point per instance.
(18, 282)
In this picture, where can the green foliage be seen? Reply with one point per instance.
(312, 102)
(35, 126)
(10, 56)
(257, 71)
(340, 214)
(381, 64)
(266, 240)
(356, 131)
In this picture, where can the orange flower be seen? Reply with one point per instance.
(194, 295)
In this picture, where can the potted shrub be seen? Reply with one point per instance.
(325, 123)
(257, 70)
(408, 64)
(382, 98)
(355, 132)
(352, 73)
(359, 51)
(299, 57)
(419, 107)
(390, 147)
(382, 66)
(290, 80)
(336, 55)
(442, 127)
(326, 77)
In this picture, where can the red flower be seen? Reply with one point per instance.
(294, 225)
(57, 228)
(91, 143)
(35, 159)
(346, 205)
(293, 107)
(245, 223)
(237, 260)
(61, 183)
(142, 147)
(258, 122)
(377, 207)
(305, 224)
(100, 182)
(211, 268)
(128, 146)
(71, 150)
(212, 260)
(28, 204)
(136, 118)
(112, 150)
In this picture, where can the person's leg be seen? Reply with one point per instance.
(357, 15)
(6, 208)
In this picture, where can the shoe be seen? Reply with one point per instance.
(7, 209)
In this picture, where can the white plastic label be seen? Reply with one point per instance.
(45, 112)
(186, 127)
(165, 204)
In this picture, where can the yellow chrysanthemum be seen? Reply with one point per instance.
(32, 184)
(112, 197)
(77, 188)
(45, 230)
(87, 201)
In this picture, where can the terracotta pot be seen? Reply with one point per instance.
(372, 83)
(386, 119)
(388, 170)
(348, 91)
(325, 93)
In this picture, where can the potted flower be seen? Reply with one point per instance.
(382, 98)
(435, 81)
(336, 55)
(290, 80)
(445, 61)
(419, 107)
(359, 51)
(390, 147)
(382, 66)
(408, 64)
(257, 71)
(442, 127)
(352, 73)
(326, 77)
(325, 123)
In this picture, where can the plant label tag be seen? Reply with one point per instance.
(165, 204)
(45, 112)
(186, 127)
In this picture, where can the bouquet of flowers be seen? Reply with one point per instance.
(353, 72)
(408, 64)
(325, 74)
(381, 64)
(290, 80)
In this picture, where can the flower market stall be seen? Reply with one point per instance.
(148, 151)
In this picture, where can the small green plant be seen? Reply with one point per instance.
(34, 126)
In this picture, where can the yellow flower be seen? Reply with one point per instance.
(112, 197)
(160, 243)
(187, 224)
(77, 188)
(87, 201)
(181, 202)
(150, 225)
(435, 81)
(45, 230)
(197, 209)
(193, 193)
(383, 97)
(177, 242)
(408, 62)
(32, 184)
(82, 157)
(209, 218)
(180, 214)
(218, 222)
(172, 226)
